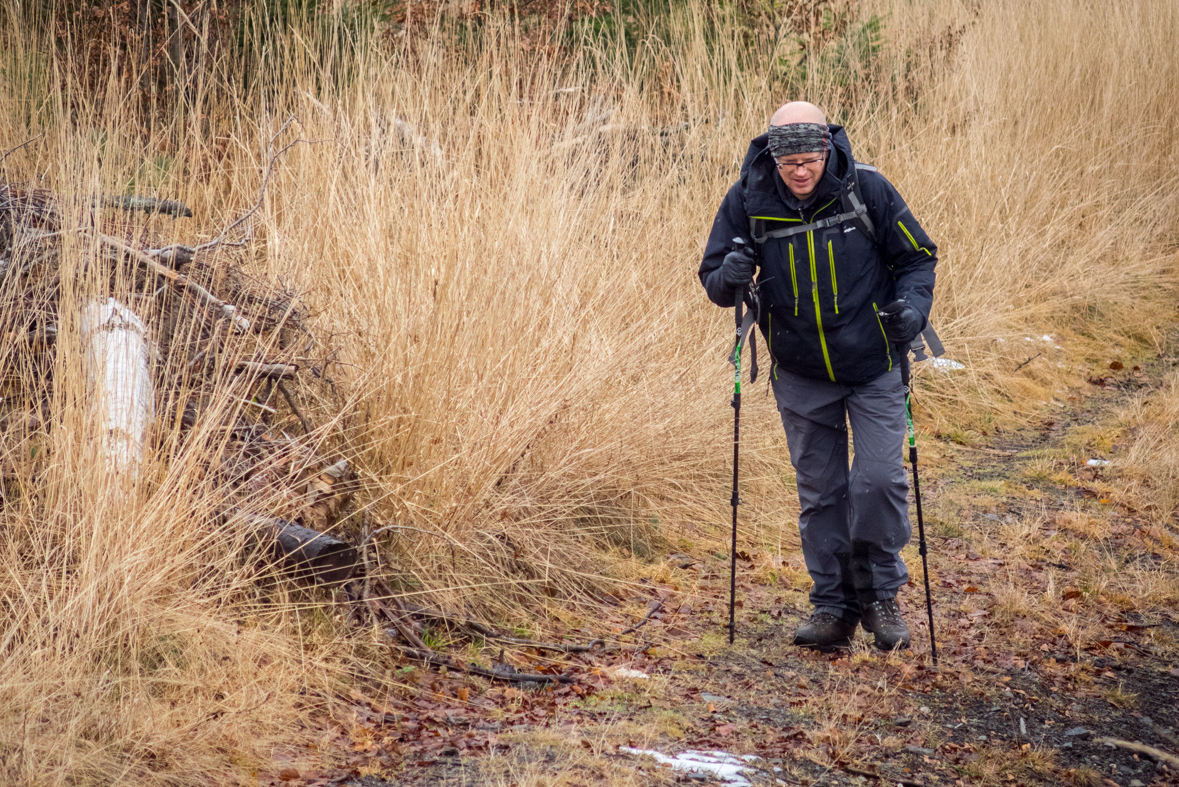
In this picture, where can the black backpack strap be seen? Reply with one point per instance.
(757, 230)
(801, 228)
(928, 336)
(853, 203)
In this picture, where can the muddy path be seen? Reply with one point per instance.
(1043, 654)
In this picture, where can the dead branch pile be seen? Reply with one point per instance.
(231, 359)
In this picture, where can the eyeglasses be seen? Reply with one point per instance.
(793, 165)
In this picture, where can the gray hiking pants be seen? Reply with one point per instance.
(853, 523)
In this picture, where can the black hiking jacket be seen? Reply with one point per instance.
(820, 290)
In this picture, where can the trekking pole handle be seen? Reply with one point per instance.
(904, 352)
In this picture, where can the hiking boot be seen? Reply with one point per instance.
(825, 632)
(883, 618)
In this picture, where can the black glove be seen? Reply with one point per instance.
(901, 322)
(737, 269)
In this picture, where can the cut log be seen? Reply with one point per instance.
(327, 493)
(116, 360)
(311, 556)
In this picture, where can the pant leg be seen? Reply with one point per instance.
(814, 418)
(878, 487)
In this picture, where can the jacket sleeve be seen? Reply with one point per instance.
(908, 251)
(730, 223)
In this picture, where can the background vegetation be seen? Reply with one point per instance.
(497, 218)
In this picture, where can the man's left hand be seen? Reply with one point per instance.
(901, 322)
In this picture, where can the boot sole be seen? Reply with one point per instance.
(899, 645)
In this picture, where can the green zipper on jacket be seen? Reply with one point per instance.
(834, 283)
(810, 245)
(793, 278)
(909, 235)
(770, 344)
(887, 351)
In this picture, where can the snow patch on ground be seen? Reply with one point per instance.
(944, 364)
(727, 768)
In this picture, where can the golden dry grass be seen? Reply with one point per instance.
(526, 363)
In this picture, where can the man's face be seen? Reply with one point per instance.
(801, 172)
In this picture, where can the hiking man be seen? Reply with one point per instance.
(835, 242)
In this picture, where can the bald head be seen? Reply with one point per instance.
(798, 112)
(798, 131)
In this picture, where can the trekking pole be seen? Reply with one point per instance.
(736, 358)
(921, 547)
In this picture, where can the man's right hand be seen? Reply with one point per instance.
(737, 269)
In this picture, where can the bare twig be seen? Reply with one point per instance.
(654, 607)
(272, 159)
(1141, 748)
(1025, 363)
(282, 389)
(8, 153)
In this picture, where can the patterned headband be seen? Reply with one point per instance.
(794, 138)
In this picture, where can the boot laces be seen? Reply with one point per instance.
(888, 610)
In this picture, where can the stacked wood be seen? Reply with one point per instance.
(182, 341)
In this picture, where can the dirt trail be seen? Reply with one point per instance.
(1040, 657)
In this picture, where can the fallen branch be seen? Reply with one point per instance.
(1141, 748)
(282, 389)
(433, 659)
(181, 281)
(485, 631)
(271, 371)
(168, 207)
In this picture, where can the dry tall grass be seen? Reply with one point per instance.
(527, 365)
